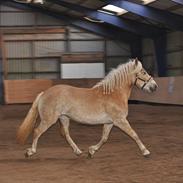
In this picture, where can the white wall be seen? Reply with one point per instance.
(82, 70)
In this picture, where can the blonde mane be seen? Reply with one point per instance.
(119, 76)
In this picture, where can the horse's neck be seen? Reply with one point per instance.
(124, 91)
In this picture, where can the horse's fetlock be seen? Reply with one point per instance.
(105, 139)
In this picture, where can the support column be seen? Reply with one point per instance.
(136, 49)
(160, 44)
(1, 70)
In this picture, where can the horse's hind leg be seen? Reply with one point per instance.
(125, 126)
(65, 131)
(105, 134)
(43, 126)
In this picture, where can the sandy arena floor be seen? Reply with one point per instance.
(118, 161)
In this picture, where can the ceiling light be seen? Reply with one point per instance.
(114, 9)
(147, 1)
(107, 12)
(30, 1)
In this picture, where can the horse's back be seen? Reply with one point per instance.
(59, 95)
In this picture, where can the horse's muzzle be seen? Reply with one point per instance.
(153, 88)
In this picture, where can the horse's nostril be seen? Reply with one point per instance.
(155, 87)
(152, 89)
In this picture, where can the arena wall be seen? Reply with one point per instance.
(24, 91)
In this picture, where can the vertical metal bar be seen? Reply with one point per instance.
(105, 56)
(160, 44)
(67, 38)
(33, 59)
(136, 49)
(4, 57)
(1, 70)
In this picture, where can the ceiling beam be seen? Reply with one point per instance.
(178, 1)
(141, 29)
(172, 20)
(100, 29)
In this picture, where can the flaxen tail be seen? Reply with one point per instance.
(27, 126)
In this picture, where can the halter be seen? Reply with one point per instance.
(145, 81)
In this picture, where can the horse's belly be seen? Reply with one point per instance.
(91, 119)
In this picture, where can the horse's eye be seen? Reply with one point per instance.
(144, 72)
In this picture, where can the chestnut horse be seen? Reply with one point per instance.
(104, 104)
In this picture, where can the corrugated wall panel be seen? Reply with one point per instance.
(47, 65)
(149, 59)
(87, 46)
(173, 59)
(117, 48)
(18, 49)
(113, 62)
(147, 47)
(74, 29)
(84, 36)
(17, 19)
(47, 76)
(19, 76)
(43, 48)
(20, 65)
(174, 40)
(148, 63)
(42, 19)
(174, 62)
(175, 53)
(7, 8)
(33, 37)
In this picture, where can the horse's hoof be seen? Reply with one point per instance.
(78, 152)
(90, 156)
(146, 153)
(28, 153)
(91, 152)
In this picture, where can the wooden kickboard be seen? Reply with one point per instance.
(24, 91)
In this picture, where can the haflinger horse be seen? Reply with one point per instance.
(106, 103)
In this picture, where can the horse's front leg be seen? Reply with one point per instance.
(124, 125)
(105, 134)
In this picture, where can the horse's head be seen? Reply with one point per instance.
(143, 80)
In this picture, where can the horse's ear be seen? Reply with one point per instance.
(136, 61)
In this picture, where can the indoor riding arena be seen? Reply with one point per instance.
(113, 69)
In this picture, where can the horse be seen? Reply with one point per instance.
(106, 103)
